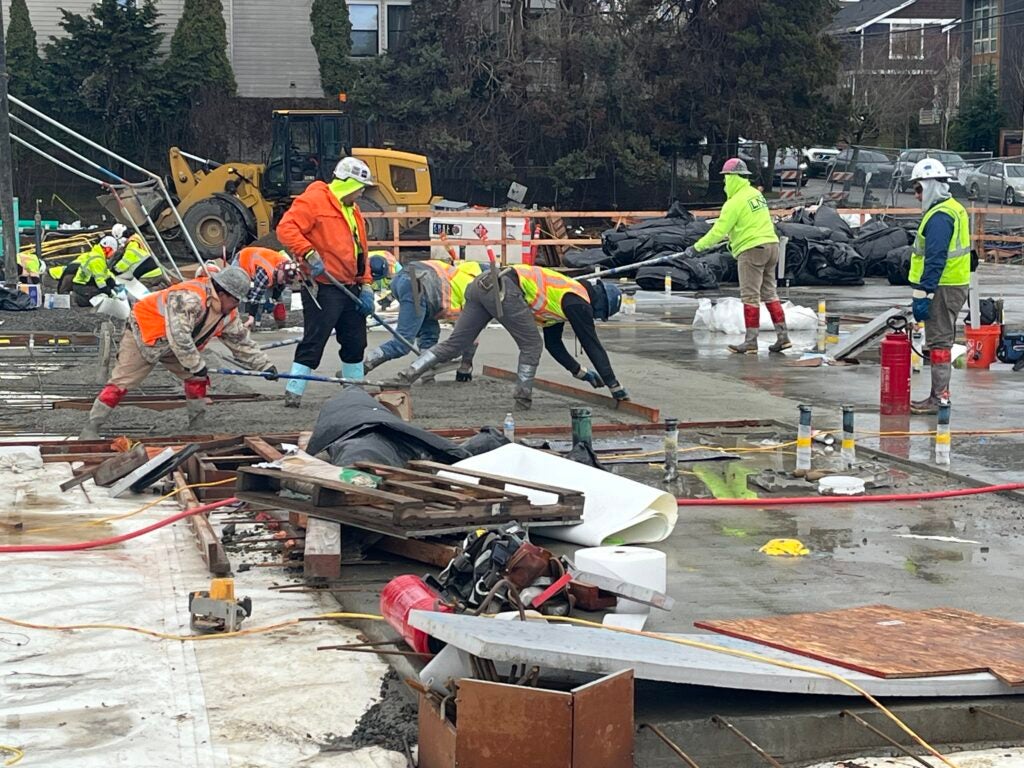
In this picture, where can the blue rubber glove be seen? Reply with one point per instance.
(921, 305)
(591, 377)
(366, 300)
(315, 264)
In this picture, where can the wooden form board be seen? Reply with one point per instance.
(892, 643)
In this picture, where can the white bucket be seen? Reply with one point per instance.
(106, 305)
(57, 301)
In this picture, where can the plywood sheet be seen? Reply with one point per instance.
(602, 716)
(892, 643)
(509, 726)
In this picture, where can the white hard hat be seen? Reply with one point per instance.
(108, 243)
(354, 168)
(929, 169)
(118, 230)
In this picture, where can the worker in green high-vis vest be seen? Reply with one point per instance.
(940, 273)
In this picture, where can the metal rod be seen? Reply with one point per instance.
(994, 716)
(55, 161)
(10, 231)
(669, 743)
(892, 742)
(308, 377)
(632, 267)
(372, 650)
(720, 721)
(390, 328)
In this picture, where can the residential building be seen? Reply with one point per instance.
(269, 42)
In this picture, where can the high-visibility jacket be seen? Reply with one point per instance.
(459, 278)
(744, 218)
(151, 313)
(958, 263)
(136, 252)
(254, 258)
(544, 290)
(317, 221)
(31, 265)
(92, 268)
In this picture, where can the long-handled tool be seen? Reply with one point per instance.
(632, 267)
(311, 377)
(391, 329)
(281, 343)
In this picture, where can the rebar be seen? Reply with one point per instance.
(892, 742)
(994, 716)
(722, 722)
(669, 743)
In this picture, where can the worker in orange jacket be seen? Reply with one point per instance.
(270, 271)
(325, 229)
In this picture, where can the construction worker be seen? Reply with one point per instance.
(30, 267)
(90, 273)
(324, 227)
(427, 291)
(746, 221)
(271, 272)
(172, 327)
(521, 298)
(940, 272)
(137, 261)
(383, 267)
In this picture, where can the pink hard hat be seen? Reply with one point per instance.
(735, 165)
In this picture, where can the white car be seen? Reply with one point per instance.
(996, 180)
(818, 159)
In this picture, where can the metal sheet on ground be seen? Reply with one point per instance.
(602, 723)
(649, 449)
(602, 651)
(893, 643)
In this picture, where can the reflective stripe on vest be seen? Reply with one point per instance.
(151, 313)
(134, 254)
(251, 259)
(30, 263)
(92, 268)
(958, 263)
(441, 269)
(544, 290)
(460, 276)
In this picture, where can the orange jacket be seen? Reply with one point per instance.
(315, 222)
(252, 258)
(151, 313)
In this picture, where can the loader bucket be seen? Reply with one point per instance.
(131, 197)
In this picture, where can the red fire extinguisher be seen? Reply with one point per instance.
(894, 397)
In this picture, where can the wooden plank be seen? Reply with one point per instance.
(893, 643)
(210, 547)
(477, 490)
(263, 449)
(78, 479)
(119, 465)
(496, 479)
(429, 552)
(508, 726)
(247, 481)
(602, 722)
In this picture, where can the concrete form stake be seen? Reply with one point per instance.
(581, 426)
(849, 450)
(803, 439)
(942, 435)
(821, 325)
(671, 449)
(10, 226)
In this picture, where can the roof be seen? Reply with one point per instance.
(854, 16)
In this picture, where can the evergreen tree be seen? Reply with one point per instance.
(976, 127)
(23, 61)
(332, 40)
(199, 58)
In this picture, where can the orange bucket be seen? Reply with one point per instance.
(982, 343)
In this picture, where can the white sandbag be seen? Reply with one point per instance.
(727, 317)
(20, 458)
(616, 508)
(108, 305)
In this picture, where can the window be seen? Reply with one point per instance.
(399, 17)
(906, 41)
(984, 26)
(403, 179)
(981, 72)
(365, 20)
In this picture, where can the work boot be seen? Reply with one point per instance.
(464, 372)
(418, 367)
(749, 345)
(196, 407)
(295, 387)
(782, 339)
(291, 400)
(373, 358)
(941, 373)
(523, 393)
(98, 416)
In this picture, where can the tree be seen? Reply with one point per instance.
(198, 59)
(23, 61)
(976, 128)
(332, 41)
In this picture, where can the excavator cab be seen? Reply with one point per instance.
(306, 146)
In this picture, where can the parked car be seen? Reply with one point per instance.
(995, 180)
(818, 158)
(867, 161)
(789, 160)
(910, 157)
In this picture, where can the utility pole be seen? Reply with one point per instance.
(10, 236)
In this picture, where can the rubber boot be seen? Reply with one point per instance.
(295, 387)
(98, 416)
(353, 371)
(523, 393)
(781, 339)
(749, 345)
(373, 358)
(418, 367)
(196, 407)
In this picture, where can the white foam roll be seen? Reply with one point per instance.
(637, 565)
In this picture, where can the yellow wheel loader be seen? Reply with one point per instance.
(225, 206)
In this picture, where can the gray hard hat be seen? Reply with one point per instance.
(233, 281)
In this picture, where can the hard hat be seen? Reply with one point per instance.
(108, 244)
(614, 296)
(233, 281)
(354, 168)
(735, 165)
(380, 267)
(605, 298)
(929, 169)
(118, 230)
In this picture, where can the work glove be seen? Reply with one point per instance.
(387, 300)
(618, 392)
(690, 252)
(921, 305)
(591, 377)
(270, 374)
(315, 264)
(366, 300)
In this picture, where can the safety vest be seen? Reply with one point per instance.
(544, 290)
(136, 252)
(460, 276)
(958, 263)
(253, 258)
(92, 268)
(151, 313)
(31, 265)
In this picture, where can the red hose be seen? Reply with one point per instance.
(116, 539)
(924, 496)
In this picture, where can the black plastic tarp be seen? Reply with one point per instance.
(686, 274)
(897, 265)
(875, 244)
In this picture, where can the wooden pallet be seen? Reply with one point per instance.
(413, 502)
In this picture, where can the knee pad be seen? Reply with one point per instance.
(111, 395)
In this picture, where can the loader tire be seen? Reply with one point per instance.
(216, 227)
